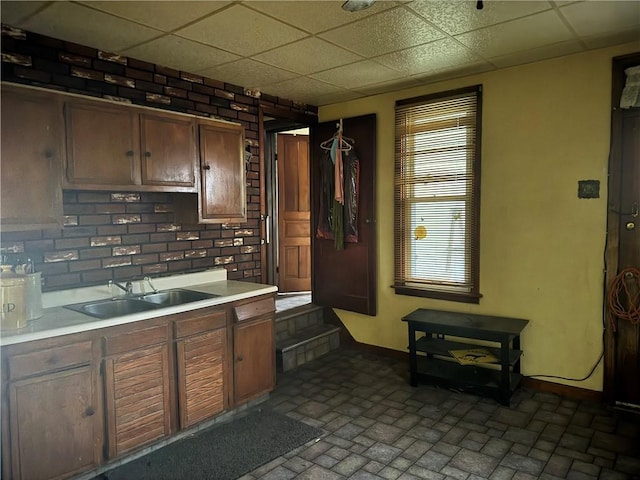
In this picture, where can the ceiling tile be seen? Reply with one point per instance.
(617, 38)
(340, 97)
(385, 87)
(429, 57)
(12, 13)
(242, 31)
(390, 30)
(307, 56)
(180, 53)
(247, 73)
(524, 34)
(303, 89)
(455, 72)
(358, 74)
(536, 54)
(79, 24)
(598, 17)
(463, 16)
(316, 16)
(164, 16)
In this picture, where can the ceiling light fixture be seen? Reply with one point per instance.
(356, 5)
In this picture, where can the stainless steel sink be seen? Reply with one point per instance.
(176, 296)
(118, 307)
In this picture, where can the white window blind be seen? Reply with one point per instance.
(437, 195)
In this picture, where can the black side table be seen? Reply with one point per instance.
(483, 380)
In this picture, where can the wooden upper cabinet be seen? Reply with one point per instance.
(102, 146)
(223, 196)
(168, 150)
(117, 147)
(32, 152)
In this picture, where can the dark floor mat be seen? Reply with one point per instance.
(223, 452)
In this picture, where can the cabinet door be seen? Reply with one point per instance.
(254, 362)
(54, 429)
(102, 145)
(137, 398)
(168, 151)
(201, 375)
(223, 193)
(32, 151)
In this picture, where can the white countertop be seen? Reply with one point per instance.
(57, 320)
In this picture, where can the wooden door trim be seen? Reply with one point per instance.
(279, 113)
(613, 216)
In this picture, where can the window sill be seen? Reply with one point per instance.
(470, 297)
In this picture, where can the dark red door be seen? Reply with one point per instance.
(627, 384)
(346, 279)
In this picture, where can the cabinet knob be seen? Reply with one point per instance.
(147, 154)
(89, 412)
(240, 358)
(129, 153)
(206, 167)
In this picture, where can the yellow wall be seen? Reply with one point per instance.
(545, 126)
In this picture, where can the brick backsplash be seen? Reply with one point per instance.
(127, 235)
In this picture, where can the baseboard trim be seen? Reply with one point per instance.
(567, 391)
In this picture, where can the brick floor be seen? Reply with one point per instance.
(376, 426)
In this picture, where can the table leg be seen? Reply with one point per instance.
(505, 383)
(413, 358)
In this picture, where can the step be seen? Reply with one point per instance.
(306, 345)
(290, 322)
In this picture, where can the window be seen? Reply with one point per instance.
(437, 195)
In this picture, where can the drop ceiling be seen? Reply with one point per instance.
(315, 52)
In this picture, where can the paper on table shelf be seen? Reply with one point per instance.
(473, 356)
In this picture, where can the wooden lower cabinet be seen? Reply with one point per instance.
(52, 415)
(137, 388)
(71, 404)
(254, 349)
(201, 361)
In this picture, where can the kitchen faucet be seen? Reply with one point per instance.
(127, 289)
(148, 280)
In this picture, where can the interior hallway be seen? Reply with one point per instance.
(378, 427)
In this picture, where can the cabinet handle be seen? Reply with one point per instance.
(206, 167)
(129, 153)
(89, 412)
(147, 154)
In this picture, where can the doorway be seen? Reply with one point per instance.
(622, 255)
(285, 202)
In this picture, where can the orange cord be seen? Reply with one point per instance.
(623, 299)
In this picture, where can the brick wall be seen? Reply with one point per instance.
(120, 236)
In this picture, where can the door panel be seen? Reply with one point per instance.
(628, 335)
(294, 227)
(621, 337)
(346, 279)
(168, 150)
(102, 145)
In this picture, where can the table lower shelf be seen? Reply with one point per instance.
(469, 378)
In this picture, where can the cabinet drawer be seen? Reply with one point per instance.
(249, 311)
(201, 323)
(136, 339)
(57, 358)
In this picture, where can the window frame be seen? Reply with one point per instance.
(402, 222)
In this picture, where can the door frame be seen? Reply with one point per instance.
(283, 119)
(619, 64)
